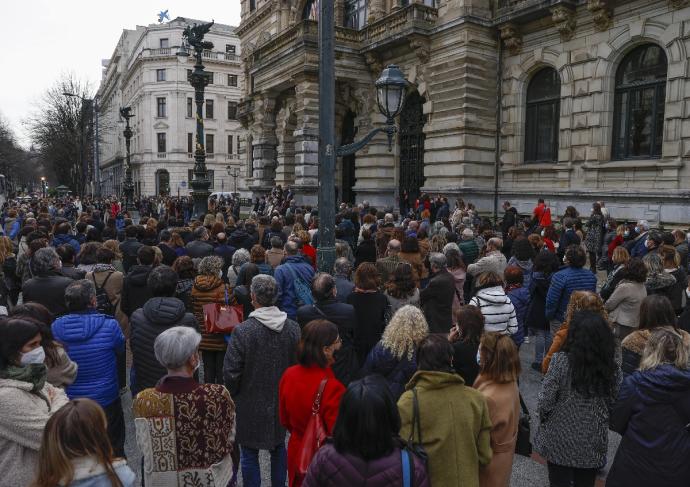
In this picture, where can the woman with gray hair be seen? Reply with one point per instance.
(202, 415)
(652, 415)
(239, 258)
(209, 288)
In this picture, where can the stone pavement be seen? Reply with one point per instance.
(527, 472)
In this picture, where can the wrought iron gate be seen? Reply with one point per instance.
(411, 139)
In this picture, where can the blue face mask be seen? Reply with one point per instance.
(626, 233)
(637, 229)
(478, 357)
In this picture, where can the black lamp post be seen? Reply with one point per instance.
(390, 94)
(234, 173)
(194, 36)
(128, 185)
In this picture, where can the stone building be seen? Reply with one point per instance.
(145, 73)
(570, 100)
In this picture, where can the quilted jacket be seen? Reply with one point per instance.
(397, 372)
(332, 469)
(91, 340)
(563, 284)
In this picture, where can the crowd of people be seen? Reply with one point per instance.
(399, 366)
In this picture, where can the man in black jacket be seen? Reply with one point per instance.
(343, 315)
(161, 312)
(509, 218)
(169, 254)
(135, 291)
(130, 247)
(199, 247)
(47, 287)
(437, 298)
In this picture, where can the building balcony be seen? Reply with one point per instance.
(171, 52)
(522, 11)
(416, 18)
(161, 155)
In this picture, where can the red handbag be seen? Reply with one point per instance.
(314, 435)
(222, 318)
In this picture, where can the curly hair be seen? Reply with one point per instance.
(184, 266)
(210, 266)
(585, 300)
(437, 242)
(402, 282)
(522, 249)
(405, 331)
(590, 348)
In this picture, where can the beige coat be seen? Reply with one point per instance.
(624, 304)
(504, 409)
(114, 289)
(274, 257)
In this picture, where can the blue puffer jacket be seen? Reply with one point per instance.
(563, 284)
(520, 298)
(396, 372)
(66, 239)
(287, 296)
(651, 414)
(91, 340)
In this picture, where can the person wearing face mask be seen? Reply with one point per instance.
(301, 384)
(200, 414)
(637, 246)
(27, 400)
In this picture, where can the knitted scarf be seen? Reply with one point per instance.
(33, 373)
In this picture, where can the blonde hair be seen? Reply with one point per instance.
(500, 361)
(585, 300)
(665, 346)
(152, 224)
(620, 255)
(437, 242)
(76, 430)
(113, 245)
(404, 332)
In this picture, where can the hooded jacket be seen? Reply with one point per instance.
(91, 340)
(156, 316)
(287, 296)
(651, 414)
(498, 310)
(261, 349)
(135, 291)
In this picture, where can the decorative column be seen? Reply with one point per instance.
(263, 144)
(285, 149)
(307, 140)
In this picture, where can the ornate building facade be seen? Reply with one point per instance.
(145, 73)
(571, 100)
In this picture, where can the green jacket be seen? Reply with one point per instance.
(455, 427)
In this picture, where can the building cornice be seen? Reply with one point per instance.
(253, 19)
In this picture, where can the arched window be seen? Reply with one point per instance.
(355, 14)
(311, 10)
(543, 112)
(638, 123)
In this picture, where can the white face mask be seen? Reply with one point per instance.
(220, 273)
(543, 233)
(479, 357)
(35, 356)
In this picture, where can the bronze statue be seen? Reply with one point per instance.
(195, 35)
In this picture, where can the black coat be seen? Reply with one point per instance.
(72, 272)
(129, 249)
(536, 310)
(135, 292)
(436, 301)
(169, 254)
(371, 310)
(465, 360)
(146, 323)
(49, 291)
(344, 317)
(651, 414)
(198, 249)
(509, 220)
(365, 252)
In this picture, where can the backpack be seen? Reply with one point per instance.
(302, 289)
(103, 303)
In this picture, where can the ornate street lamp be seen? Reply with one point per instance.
(193, 35)
(128, 185)
(234, 173)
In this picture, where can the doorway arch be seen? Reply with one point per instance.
(411, 141)
(162, 182)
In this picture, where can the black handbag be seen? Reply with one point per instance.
(416, 447)
(523, 445)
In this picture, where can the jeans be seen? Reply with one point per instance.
(116, 427)
(560, 476)
(213, 366)
(542, 343)
(251, 471)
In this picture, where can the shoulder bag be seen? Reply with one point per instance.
(315, 434)
(416, 447)
(222, 318)
(523, 445)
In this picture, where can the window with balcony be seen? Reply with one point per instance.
(311, 10)
(230, 145)
(210, 139)
(209, 108)
(164, 44)
(161, 109)
(190, 107)
(638, 123)
(232, 80)
(160, 75)
(355, 14)
(190, 143)
(161, 142)
(543, 113)
(232, 110)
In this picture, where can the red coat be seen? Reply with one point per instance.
(549, 245)
(614, 243)
(296, 393)
(310, 253)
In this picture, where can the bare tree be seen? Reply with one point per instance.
(62, 129)
(21, 168)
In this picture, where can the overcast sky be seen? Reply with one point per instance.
(44, 38)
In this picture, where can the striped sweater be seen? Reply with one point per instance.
(498, 311)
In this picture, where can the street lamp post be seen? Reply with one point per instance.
(234, 173)
(128, 186)
(390, 94)
(43, 186)
(194, 36)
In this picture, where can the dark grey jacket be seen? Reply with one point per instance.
(255, 361)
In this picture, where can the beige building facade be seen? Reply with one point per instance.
(570, 100)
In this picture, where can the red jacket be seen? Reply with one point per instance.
(296, 394)
(614, 243)
(310, 252)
